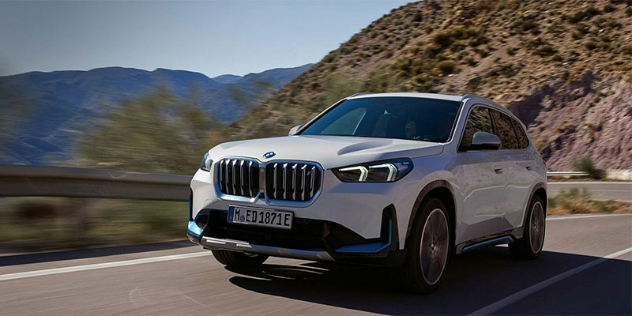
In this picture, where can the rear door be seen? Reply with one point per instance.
(517, 168)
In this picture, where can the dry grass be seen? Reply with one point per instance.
(578, 201)
(56, 223)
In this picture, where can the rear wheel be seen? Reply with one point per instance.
(532, 241)
(238, 259)
(429, 248)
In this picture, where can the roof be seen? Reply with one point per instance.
(436, 96)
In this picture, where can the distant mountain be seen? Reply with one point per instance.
(61, 103)
(228, 78)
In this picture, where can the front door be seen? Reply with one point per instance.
(482, 181)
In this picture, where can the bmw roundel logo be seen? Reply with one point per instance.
(269, 154)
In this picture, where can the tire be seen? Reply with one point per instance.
(430, 247)
(532, 241)
(238, 259)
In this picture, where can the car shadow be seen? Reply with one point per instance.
(12, 260)
(472, 281)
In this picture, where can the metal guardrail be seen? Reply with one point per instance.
(16, 180)
(567, 174)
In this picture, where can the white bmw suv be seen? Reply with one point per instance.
(397, 179)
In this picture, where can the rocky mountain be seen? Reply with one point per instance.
(564, 67)
(60, 104)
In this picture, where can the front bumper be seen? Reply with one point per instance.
(308, 240)
(348, 222)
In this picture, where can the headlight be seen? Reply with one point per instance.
(206, 163)
(381, 171)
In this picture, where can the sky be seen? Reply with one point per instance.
(211, 37)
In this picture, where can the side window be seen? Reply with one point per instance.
(346, 124)
(478, 121)
(523, 139)
(505, 131)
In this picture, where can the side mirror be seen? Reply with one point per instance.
(484, 140)
(294, 130)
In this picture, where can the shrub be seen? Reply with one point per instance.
(586, 164)
(479, 40)
(582, 14)
(591, 45)
(546, 50)
(442, 39)
(447, 67)
(609, 8)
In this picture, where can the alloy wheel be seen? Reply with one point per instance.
(434, 249)
(536, 229)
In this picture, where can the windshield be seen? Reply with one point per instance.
(389, 117)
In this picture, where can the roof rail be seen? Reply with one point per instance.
(357, 94)
(468, 95)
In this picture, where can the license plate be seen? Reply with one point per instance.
(260, 217)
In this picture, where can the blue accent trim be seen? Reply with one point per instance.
(493, 241)
(194, 228)
(191, 205)
(370, 248)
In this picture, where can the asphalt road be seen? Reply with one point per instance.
(586, 268)
(600, 190)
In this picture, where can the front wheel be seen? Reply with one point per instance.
(429, 248)
(532, 241)
(238, 259)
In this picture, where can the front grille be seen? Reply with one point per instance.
(288, 181)
(238, 177)
(292, 181)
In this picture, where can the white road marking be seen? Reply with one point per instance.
(590, 182)
(30, 274)
(583, 216)
(537, 287)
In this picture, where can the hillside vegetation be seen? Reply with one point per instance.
(563, 67)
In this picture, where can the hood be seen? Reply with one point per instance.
(328, 151)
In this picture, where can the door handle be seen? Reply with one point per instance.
(498, 170)
(529, 168)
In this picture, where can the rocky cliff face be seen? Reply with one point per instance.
(564, 68)
(592, 117)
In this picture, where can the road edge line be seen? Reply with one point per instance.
(96, 266)
(561, 217)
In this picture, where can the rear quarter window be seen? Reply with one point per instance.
(505, 131)
(523, 139)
